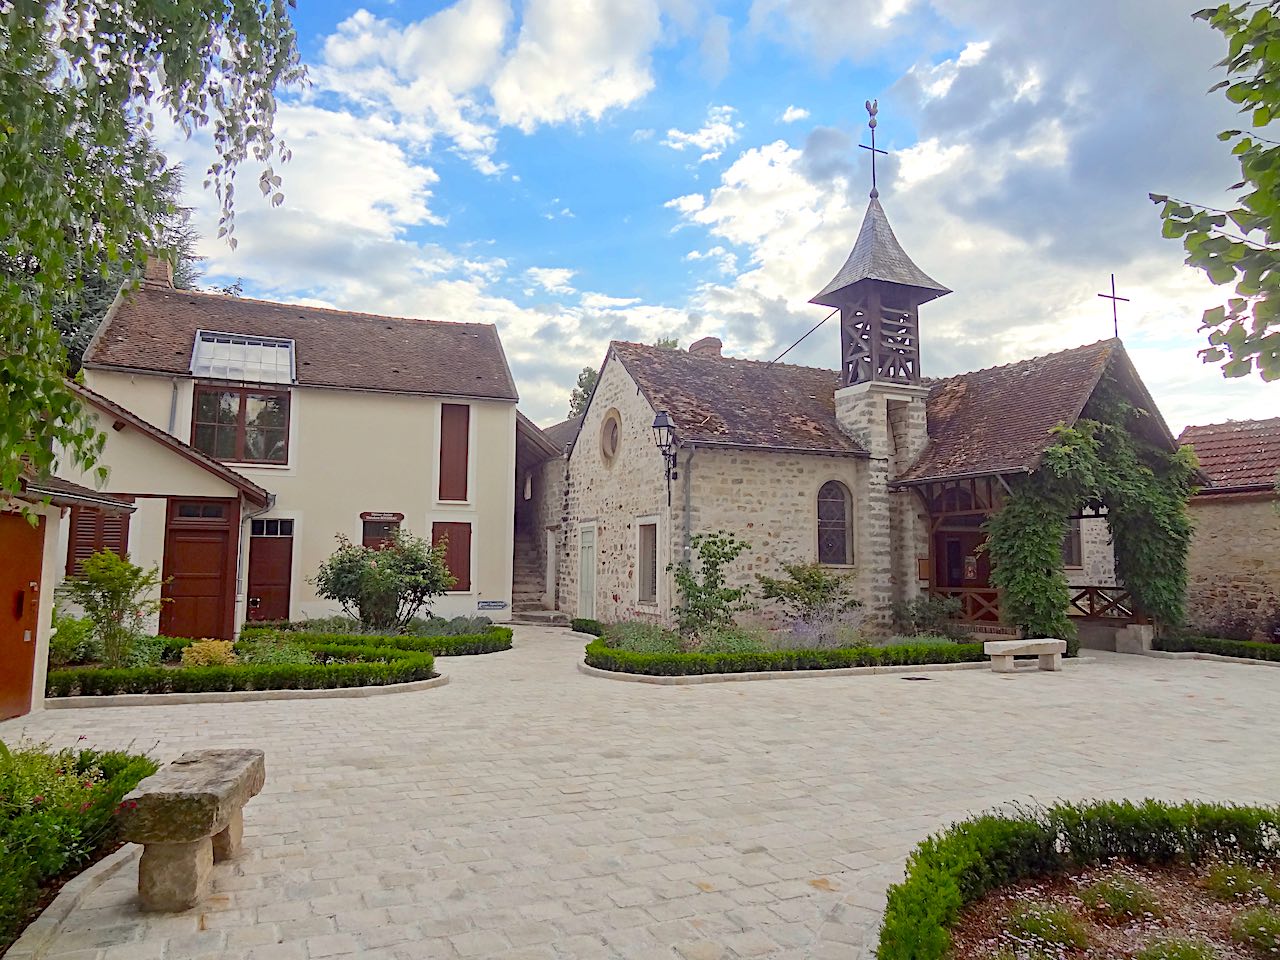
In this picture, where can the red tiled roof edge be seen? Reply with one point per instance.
(1238, 456)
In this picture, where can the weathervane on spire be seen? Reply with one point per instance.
(873, 107)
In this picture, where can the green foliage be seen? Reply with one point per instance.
(1241, 246)
(273, 648)
(810, 592)
(731, 639)
(582, 391)
(1177, 948)
(636, 637)
(116, 595)
(602, 655)
(1112, 455)
(349, 626)
(82, 189)
(1186, 643)
(928, 616)
(452, 627)
(1239, 881)
(209, 653)
(1049, 926)
(1259, 929)
(706, 600)
(384, 589)
(73, 641)
(55, 813)
(583, 625)
(491, 640)
(971, 858)
(1120, 898)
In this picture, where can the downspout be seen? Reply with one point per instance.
(173, 407)
(242, 573)
(686, 546)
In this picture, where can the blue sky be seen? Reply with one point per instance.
(581, 170)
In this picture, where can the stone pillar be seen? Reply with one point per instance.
(175, 876)
(888, 420)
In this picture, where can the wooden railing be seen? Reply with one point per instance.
(1102, 603)
(976, 603)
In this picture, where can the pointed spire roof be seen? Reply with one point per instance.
(877, 255)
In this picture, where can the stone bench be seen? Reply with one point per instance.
(189, 815)
(1002, 653)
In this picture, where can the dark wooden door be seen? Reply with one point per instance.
(270, 572)
(199, 567)
(21, 554)
(963, 570)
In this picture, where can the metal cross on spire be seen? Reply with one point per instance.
(1115, 303)
(873, 107)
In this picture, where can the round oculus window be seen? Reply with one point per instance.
(610, 435)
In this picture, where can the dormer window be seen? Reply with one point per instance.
(232, 356)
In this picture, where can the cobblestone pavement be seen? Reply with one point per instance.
(528, 811)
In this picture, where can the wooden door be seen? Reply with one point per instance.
(587, 572)
(199, 567)
(963, 570)
(21, 555)
(270, 571)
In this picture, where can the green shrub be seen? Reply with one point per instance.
(605, 657)
(1177, 948)
(1251, 650)
(55, 814)
(973, 857)
(116, 596)
(706, 599)
(583, 625)
(729, 640)
(440, 627)
(273, 648)
(209, 653)
(932, 616)
(1119, 898)
(1048, 926)
(636, 637)
(385, 588)
(810, 592)
(492, 640)
(1259, 929)
(73, 641)
(1238, 881)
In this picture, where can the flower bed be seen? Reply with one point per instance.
(491, 640)
(1248, 649)
(345, 664)
(605, 657)
(973, 858)
(55, 818)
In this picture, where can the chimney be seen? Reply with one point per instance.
(158, 273)
(706, 347)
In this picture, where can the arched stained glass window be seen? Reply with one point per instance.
(835, 531)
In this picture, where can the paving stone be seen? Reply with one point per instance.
(527, 808)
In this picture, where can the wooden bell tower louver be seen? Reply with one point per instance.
(878, 292)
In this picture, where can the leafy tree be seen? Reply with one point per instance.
(581, 394)
(117, 596)
(387, 587)
(707, 602)
(81, 188)
(667, 343)
(1241, 246)
(810, 592)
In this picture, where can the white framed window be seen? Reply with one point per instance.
(647, 560)
(233, 356)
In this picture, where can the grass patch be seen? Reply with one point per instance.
(1258, 929)
(1177, 948)
(1045, 925)
(1119, 898)
(1238, 881)
(1247, 649)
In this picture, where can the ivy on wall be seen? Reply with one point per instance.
(1114, 456)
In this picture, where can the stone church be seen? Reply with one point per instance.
(872, 469)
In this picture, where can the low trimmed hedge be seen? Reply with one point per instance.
(373, 666)
(954, 868)
(583, 625)
(1248, 649)
(605, 657)
(462, 645)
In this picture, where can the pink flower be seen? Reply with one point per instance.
(37, 799)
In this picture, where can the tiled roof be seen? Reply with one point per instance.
(154, 329)
(743, 403)
(112, 409)
(563, 433)
(65, 493)
(999, 420)
(877, 255)
(1245, 453)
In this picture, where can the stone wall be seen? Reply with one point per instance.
(1097, 557)
(1235, 552)
(546, 513)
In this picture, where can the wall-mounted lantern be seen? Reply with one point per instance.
(664, 435)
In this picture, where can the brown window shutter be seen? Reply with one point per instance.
(454, 427)
(458, 554)
(92, 530)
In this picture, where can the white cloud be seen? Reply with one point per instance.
(793, 113)
(936, 80)
(717, 132)
(690, 203)
(600, 301)
(925, 159)
(552, 279)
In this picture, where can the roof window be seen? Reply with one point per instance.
(232, 356)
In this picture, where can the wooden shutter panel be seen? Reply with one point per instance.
(458, 553)
(92, 530)
(455, 421)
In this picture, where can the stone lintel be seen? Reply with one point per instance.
(886, 389)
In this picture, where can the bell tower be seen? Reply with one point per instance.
(881, 398)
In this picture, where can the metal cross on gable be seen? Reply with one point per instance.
(873, 107)
(1115, 303)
